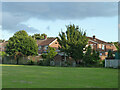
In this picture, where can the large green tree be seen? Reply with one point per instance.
(21, 42)
(73, 41)
(49, 55)
(87, 59)
(39, 36)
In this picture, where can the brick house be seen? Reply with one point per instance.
(45, 43)
(102, 46)
(97, 44)
(3, 45)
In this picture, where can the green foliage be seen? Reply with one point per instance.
(103, 63)
(2, 53)
(21, 42)
(44, 56)
(95, 57)
(51, 53)
(38, 36)
(30, 62)
(49, 56)
(110, 54)
(91, 57)
(117, 46)
(1, 40)
(21, 33)
(40, 62)
(87, 59)
(73, 41)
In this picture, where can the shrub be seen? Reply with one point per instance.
(103, 63)
(41, 63)
(30, 62)
(46, 62)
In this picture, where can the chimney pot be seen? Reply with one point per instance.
(93, 36)
(45, 37)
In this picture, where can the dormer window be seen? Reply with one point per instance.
(55, 42)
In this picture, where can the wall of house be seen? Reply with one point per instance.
(42, 49)
(54, 44)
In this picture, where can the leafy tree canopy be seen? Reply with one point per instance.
(39, 36)
(51, 53)
(73, 41)
(21, 42)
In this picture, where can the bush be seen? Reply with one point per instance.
(103, 63)
(46, 62)
(41, 63)
(30, 62)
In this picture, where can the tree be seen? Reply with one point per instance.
(73, 41)
(95, 57)
(110, 54)
(117, 44)
(21, 42)
(1, 40)
(17, 55)
(51, 53)
(87, 59)
(38, 36)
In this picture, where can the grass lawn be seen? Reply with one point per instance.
(58, 77)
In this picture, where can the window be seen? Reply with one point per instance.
(99, 45)
(46, 47)
(39, 47)
(100, 54)
(55, 42)
(103, 47)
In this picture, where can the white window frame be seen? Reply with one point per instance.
(99, 45)
(103, 46)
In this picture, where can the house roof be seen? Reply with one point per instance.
(97, 40)
(3, 44)
(45, 41)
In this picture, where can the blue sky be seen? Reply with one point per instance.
(100, 19)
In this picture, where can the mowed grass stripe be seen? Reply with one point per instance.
(9, 65)
(59, 77)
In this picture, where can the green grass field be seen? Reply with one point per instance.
(58, 77)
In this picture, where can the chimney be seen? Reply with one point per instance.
(3, 40)
(45, 37)
(93, 36)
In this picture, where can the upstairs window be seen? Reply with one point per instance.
(103, 47)
(99, 45)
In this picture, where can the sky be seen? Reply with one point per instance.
(96, 18)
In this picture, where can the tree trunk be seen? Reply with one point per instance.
(17, 61)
